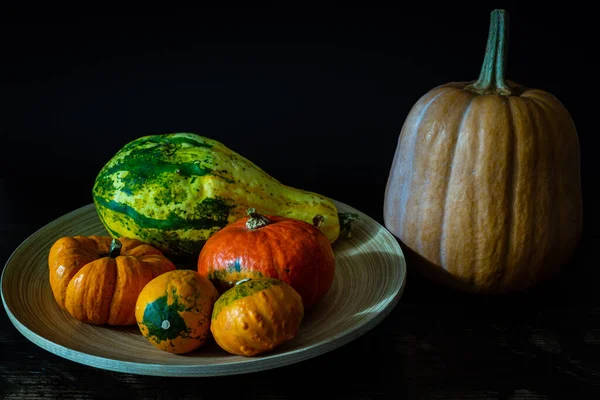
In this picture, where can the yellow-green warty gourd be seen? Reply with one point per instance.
(175, 190)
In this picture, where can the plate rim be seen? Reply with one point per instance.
(246, 366)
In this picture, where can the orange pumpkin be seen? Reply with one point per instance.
(484, 190)
(287, 249)
(173, 311)
(256, 316)
(97, 279)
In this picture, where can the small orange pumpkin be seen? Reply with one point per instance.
(256, 316)
(97, 279)
(287, 249)
(173, 311)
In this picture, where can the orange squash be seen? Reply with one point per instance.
(97, 279)
(173, 311)
(287, 249)
(484, 191)
(256, 316)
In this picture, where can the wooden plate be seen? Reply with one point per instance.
(370, 278)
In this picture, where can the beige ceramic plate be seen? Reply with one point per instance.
(370, 278)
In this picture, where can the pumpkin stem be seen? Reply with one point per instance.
(318, 221)
(242, 281)
(491, 77)
(346, 223)
(256, 220)
(115, 248)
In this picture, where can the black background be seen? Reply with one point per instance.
(314, 96)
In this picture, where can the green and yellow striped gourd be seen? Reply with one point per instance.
(175, 190)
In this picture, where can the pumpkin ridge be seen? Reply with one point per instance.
(79, 245)
(475, 271)
(448, 179)
(107, 286)
(412, 136)
(264, 244)
(90, 247)
(534, 132)
(278, 239)
(302, 229)
(473, 248)
(117, 292)
(524, 191)
(553, 192)
(512, 174)
(571, 216)
(59, 253)
(494, 139)
(92, 288)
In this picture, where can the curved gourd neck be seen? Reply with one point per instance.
(491, 78)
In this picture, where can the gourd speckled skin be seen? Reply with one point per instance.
(256, 316)
(484, 190)
(258, 246)
(175, 190)
(97, 281)
(173, 311)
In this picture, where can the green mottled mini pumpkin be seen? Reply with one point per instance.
(256, 316)
(173, 311)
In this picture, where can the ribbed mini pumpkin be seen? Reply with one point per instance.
(484, 192)
(277, 247)
(173, 311)
(97, 279)
(256, 316)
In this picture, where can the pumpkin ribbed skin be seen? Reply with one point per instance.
(173, 311)
(96, 288)
(486, 187)
(256, 316)
(175, 190)
(290, 250)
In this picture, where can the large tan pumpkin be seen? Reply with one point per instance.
(484, 190)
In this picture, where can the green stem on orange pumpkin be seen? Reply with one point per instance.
(115, 248)
(491, 77)
(256, 220)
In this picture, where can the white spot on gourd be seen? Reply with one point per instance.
(165, 324)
